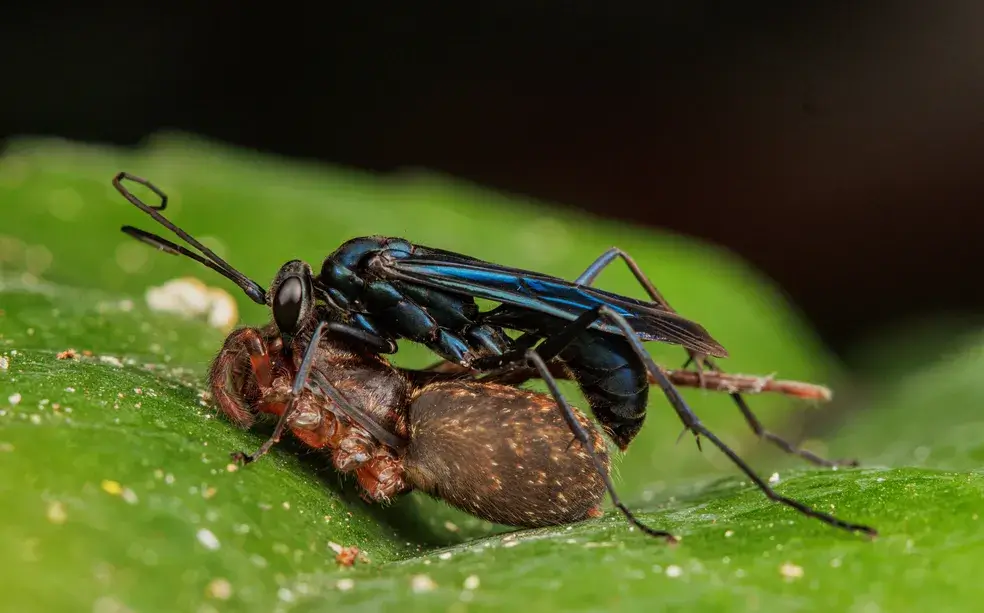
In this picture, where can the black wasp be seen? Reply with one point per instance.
(378, 290)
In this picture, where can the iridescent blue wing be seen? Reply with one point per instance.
(451, 272)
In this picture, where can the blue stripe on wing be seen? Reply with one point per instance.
(546, 294)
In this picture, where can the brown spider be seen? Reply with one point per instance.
(501, 453)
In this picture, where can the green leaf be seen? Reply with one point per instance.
(115, 476)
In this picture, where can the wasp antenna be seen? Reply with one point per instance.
(252, 289)
(167, 246)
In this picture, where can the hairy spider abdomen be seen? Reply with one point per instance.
(502, 453)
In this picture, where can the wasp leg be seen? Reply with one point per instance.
(356, 414)
(782, 443)
(546, 350)
(694, 424)
(700, 361)
(582, 437)
(686, 415)
(377, 342)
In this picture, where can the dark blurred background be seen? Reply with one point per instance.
(836, 145)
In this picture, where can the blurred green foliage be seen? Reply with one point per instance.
(114, 475)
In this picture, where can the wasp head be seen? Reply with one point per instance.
(291, 298)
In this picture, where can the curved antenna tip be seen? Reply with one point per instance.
(207, 257)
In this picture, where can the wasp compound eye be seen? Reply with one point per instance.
(287, 305)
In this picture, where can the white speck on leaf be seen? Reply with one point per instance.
(109, 604)
(191, 298)
(774, 478)
(258, 560)
(791, 571)
(111, 360)
(673, 571)
(220, 589)
(285, 595)
(56, 513)
(422, 583)
(345, 585)
(472, 582)
(207, 539)
(14, 399)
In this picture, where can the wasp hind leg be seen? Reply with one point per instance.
(693, 423)
(700, 362)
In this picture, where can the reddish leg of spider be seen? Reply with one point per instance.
(299, 381)
(222, 373)
(381, 477)
(353, 448)
(311, 423)
(314, 427)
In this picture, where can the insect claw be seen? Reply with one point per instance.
(696, 437)
(698, 361)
